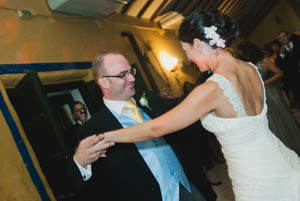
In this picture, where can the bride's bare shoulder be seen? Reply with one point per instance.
(209, 89)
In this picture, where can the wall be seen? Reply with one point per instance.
(267, 30)
(55, 37)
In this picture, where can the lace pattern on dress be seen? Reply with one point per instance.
(250, 188)
(230, 93)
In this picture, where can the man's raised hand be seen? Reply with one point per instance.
(90, 149)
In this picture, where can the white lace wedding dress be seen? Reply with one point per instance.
(260, 166)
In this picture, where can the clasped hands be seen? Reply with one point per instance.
(91, 149)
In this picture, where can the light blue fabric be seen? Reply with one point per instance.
(161, 160)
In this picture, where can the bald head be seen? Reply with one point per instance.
(99, 67)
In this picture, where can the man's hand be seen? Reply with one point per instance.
(90, 149)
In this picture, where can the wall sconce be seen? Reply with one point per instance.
(172, 64)
(168, 62)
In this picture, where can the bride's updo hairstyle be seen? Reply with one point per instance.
(214, 28)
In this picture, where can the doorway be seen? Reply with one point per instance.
(45, 121)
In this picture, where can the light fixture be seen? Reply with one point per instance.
(168, 61)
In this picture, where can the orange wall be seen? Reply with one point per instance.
(43, 39)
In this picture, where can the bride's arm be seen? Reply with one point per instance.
(277, 72)
(201, 101)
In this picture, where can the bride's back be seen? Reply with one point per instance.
(248, 86)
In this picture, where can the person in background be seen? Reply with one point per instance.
(272, 50)
(289, 59)
(79, 115)
(167, 93)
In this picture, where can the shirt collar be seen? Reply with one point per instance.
(281, 55)
(79, 122)
(116, 106)
(289, 46)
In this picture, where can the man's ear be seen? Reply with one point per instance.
(103, 83)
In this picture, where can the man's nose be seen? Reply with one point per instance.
(131, 77)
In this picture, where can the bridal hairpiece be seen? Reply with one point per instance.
(210, 33)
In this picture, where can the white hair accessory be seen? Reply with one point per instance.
(210, 33)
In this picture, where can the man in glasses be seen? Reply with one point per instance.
(145, 171)
(79, 113)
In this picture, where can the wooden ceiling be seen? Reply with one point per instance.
(247, 13)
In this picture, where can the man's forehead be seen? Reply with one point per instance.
(115, 62)
(115, 58)
(78, 105)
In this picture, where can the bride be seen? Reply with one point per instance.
(232, 105)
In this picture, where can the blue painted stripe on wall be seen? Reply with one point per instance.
(43, 67)
(23, 150)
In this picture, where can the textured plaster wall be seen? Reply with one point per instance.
(56, 37)
(268, 28)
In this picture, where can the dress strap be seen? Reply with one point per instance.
(261, 80)
(230, 93)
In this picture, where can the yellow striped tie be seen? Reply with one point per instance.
(135, 113)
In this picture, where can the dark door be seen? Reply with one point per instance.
(42, 129)
(95, 94)
(139, 85)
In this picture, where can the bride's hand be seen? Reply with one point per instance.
(91, 149)
(106, 137)
(101, 146)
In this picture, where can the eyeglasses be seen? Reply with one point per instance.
(81, 111)
(123, 74)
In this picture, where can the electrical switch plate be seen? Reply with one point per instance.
(24, 14)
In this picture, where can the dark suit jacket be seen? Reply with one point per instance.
(71, 135)
(123, 174)
(290, 64)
